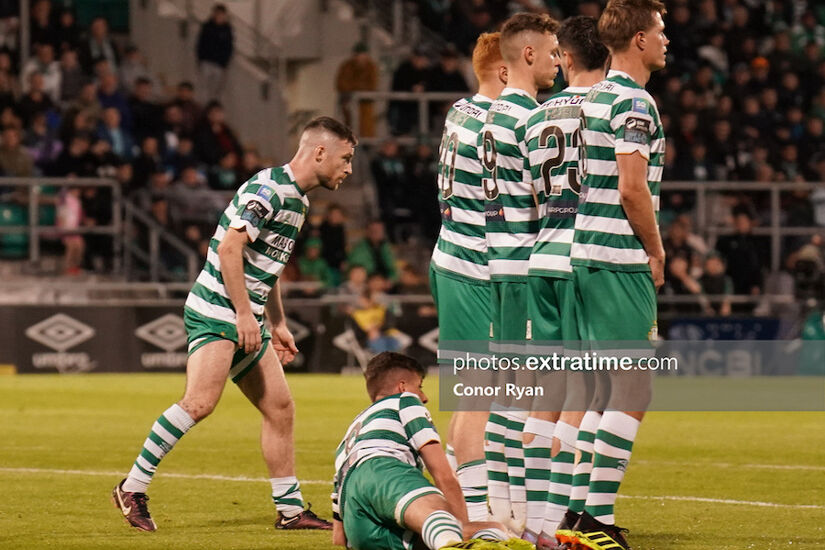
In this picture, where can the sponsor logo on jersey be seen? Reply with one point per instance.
(254, 213)
(265, 192)
(61, 333)
(167, 333)
(637, 130)
(639, 105)
(562, 209)
(493, 212)
(446, 211)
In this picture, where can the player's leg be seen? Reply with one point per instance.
(206, 372)
(468, 441)
(264, 384)
(632, 294)
(496, 428)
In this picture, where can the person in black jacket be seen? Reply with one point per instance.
(215, 46)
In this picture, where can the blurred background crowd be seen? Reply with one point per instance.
(742, 99)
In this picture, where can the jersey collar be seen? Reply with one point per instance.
(614, 73)
(288, 171)
(480, 97)
(519, 91)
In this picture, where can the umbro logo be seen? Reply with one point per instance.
(60, 332)
(167, 333)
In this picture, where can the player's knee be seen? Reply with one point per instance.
(280, 410)
(198, 409)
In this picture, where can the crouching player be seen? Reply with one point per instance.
(381, 499)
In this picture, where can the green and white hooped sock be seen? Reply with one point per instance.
(514, 454)
(440, 529)
(581, 472)
(498, 487)
(286, 494)
(166, 431)
(561, 477)
(537, 465)
(611, 454)
(472, 476)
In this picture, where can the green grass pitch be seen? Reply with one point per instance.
(697, 481)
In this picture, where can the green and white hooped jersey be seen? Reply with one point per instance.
(396, 426)
(510, 210)
(619, 117)
(462, 248)
(271, 208)
(553, 138)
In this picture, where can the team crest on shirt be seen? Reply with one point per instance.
(653, 334)
(446, 211)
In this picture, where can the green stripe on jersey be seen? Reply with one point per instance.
(552, 135)
(618, 117)
(461, 248)
(510, 212)
(396, 426)
(271, 208)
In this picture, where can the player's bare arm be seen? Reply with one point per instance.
(283, 342)
(230, 252)
(638, 205)
(436, 462)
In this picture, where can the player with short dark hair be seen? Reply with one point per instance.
(553, 138)
(530, 51)
(617, 253)
(380, 497)
(224, 319)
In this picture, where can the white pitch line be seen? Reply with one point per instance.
(110, 473)
(727, 501)
(245, 479)
(731, 465)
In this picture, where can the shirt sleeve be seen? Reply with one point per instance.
(257, 204)
(417, 423)
(336, 509)
(633, 125)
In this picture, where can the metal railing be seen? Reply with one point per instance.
(157, 236)
(34, 198)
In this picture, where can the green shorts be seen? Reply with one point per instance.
(200, 330)
(463, 307)
(374, 498)
(552, 310)
(616, 306)
(508, 313)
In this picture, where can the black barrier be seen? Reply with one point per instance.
(143, 338)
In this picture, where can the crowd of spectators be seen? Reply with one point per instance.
(742, 99)
(85, 105)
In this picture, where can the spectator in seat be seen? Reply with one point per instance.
(42, 28)
(146, 114)
(374, 253)
(422, 174)
(171, 129)
(359, 73)
(183, 156)
(213, 138)
(36, 100)
(743, 254)
(224, 176)
(410, 76)
(333, 234)
(42, 143)
(87, 101)
(356, 283)
(389, 175)
(67, 34)
(110, 95)
(445, 77)
(106, 161)
(215, 48)
(15, 161)
(147, 162)
(187, 199)
(99, 46)
(70, 216)
(44, 63)
(312, 265)
(115, 135)
(250, 164)
(8, 95)
(76, 159)
(189, 108)
(132, 68)
(714, 282)
(72, 78)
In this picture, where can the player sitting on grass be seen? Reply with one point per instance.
(381, 499)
